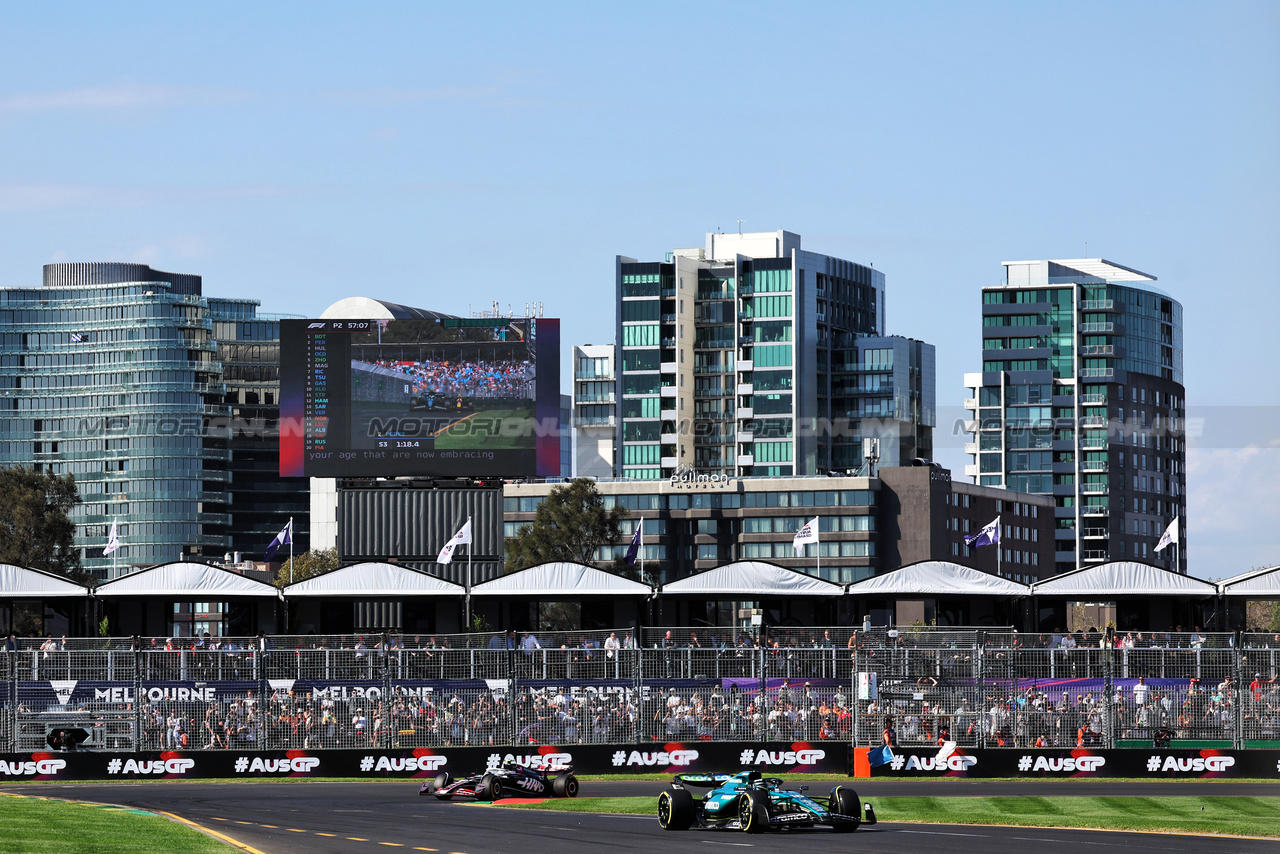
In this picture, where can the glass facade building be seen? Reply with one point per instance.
(113, 373)
(1081, 397)
(734, 359)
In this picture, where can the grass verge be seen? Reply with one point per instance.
(40, 826)
(1233, 816)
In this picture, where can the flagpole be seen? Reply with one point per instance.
(290, 549)
(818, 542)
(642, 575)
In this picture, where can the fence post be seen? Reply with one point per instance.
(137, 693)
(1241, 692)
(513, 690)
(11, 722)
(979, 680)
(389, 740)
(1109, 696)
(637, 683)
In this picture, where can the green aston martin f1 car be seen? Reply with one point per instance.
(751, 803)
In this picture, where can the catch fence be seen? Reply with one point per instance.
(976, 687)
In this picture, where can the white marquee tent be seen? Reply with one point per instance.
(186, 579)
(938, 578)
(18, 582)
(1255, 584)
(754, 579)
(372, 578)
(1106, 581)
(561, 580)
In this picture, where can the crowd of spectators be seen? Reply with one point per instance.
(481, 378)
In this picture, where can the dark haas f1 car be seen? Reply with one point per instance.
(508, 780)
(751, 803)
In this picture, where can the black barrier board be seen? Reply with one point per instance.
(674, 757)
(1077, 762)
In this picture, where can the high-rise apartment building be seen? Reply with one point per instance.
(595, 410)
(114, 373)
(753, 356)
(1081, 397)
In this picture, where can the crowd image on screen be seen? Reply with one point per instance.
(481, 378)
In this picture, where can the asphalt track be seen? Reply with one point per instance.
(338, 818)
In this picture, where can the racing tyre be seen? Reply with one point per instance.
(490, 788)
(565, 786)
(442, 779)
(844, 802)
(676, 810)
(753, 812)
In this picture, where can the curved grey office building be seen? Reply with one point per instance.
(111, 372)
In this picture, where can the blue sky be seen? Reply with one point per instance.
(449, 155)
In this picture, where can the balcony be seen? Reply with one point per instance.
(971, 426)
(1097, 373)
(1094, 489)
(667, 414)
(594, 398)
(1092, 399)
(667, 462)
(668, 391)
(971, 403)
(746, 388)
(1095, 555)
(1098, 305)
(745, 436)
(1096, 328)
(594, 421)
(1095, 510)
(667, 367)
(1096, 534)
(971, 448)
(1094, 465)
(746, 459)
(745, 412)
(745, 365)
(668, 318)
(971, 471)
(667, 438)
(1098, 350)
(1093, 421)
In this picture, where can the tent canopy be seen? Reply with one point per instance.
(1257, 584)
(373, 578)
(561, 580)
(18, 582)
(938, 578)
(186, 579)
(753, 578)
(1123, 578)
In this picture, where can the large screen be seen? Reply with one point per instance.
(447, 397)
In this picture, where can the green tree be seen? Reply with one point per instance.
(306, 565)
(36, 530)
(571, 523)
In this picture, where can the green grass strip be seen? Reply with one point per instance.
(38, 826)
(1232, 816)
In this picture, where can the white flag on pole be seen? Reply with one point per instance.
(113, 540)
(1170, 535)
(463, 537)
(807, 534)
